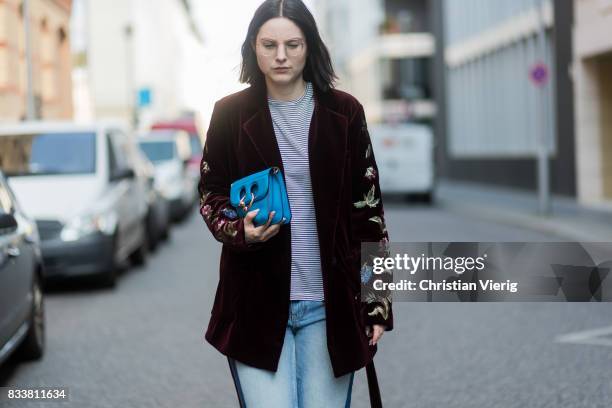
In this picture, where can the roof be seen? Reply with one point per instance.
(186, 124)
(59, 126)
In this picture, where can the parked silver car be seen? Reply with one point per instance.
(22, 317)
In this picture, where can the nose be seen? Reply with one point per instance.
(281, 53)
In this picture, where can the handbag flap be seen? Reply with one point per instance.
(256, 183)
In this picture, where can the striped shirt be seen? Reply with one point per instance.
(291, 121)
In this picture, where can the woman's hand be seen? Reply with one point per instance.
(253, 234)
(379, 329)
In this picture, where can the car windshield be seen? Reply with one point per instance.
(48, 153)
(159, 150)
(196, 144)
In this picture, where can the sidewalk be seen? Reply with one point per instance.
(568, 220)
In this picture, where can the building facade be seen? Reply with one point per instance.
(133, 59)
(383, 52)
(49, 22)
(592, 70)
(503, 90)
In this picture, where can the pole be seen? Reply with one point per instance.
(129, 63)
(544, 205)
(30, 107)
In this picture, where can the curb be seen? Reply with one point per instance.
(573, 229)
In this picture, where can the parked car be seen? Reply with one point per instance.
(188, 124)
(405, 159)
(169, 151)
(22, 316)
(158, 212)
(79, 184)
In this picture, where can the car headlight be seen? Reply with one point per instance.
(88, 224)
(170, 190)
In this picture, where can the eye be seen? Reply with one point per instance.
(269, 46)
(293, 45)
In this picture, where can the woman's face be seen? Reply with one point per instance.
(281, 51)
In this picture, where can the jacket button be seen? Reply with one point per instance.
(356, 297)
(334, 261)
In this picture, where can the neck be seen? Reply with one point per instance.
(286, 92)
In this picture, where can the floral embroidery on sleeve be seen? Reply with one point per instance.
(204, 168)
(229, 213)
(223, 223)
(203, 199)
(382, 309)
(368, 199)
(370, 173)
(367, 211)
(380, 222)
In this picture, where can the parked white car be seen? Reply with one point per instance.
(405, 158)
(170, 151)
(78, 183)
(158, 215)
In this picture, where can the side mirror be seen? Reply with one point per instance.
(8, 223)
(129, 173)
(123, 174)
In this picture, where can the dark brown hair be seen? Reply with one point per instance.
(318, 68)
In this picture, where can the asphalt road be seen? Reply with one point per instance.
(141, 344)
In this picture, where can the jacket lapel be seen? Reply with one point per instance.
(258, 127)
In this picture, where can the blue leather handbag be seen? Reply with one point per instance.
(264, 190)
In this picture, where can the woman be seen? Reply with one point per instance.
(287, 312)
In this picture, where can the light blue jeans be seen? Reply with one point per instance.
(304, 378)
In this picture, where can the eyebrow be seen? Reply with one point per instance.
(291, 39)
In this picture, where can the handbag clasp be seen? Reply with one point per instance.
(245, 207)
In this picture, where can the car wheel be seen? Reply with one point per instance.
(427, 197)
(139, 256)
(153, 233)
(166, 232)
(33, 345)
(108, 278)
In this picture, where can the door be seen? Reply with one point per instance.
(131, 202)
(15, 271)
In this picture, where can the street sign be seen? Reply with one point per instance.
(539, 74)
(144, 97)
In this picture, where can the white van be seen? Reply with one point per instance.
(78, 183)
(405, 158)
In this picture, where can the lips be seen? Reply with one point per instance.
(282, 69)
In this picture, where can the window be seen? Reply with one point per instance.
(48, 154)
(119, 149)
(6, 204)
(158, 151)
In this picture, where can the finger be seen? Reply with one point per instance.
(378, 332)
(262, 228)
(270, 216)
(270, 232)
(250, 215)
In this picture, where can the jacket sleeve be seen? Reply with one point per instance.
(214, 187)
(368, 221)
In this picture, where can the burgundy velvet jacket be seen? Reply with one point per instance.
(251, 306)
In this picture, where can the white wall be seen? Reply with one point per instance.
(159, 55)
